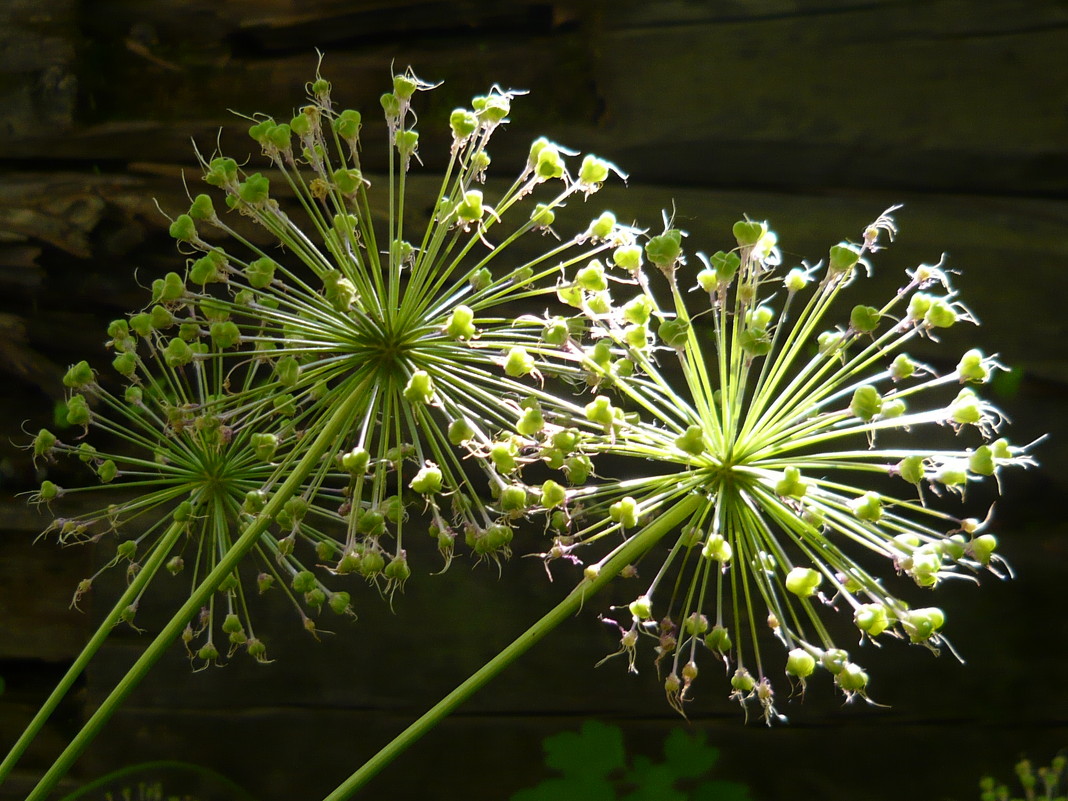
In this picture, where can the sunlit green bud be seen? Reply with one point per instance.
(919, 304)
(552, 494)
(556, 331)
(225, 335)
(348, 181)
(77, 411)
(864, 319)
(566, 439)
(548, 163)
(552, 457)
(911, 469)
(183, 229)
(866, 402)
(803, 581)
(470, 209)
(406, 142)
(642, 607)
(922, 624)
(1001, 448)
(600, 410)
(696, 624)
(502, 454)
(264, 446)
(707, 280)
(592, 277)
(871, 619)
(254, 189)
(748, 233)
(868, 506)
(628, 257)
(718, 549)
(981, 461)
(463, 123)
(791, 484)
(971, 367)
(759, 317)
(356, 460)
(602, 226)
(391, 106)
(718, 639)
(107, 471)
(624, 512)
(829, 341)
(636, 336)
(638, 309)
(480, 279)
(902, 367)
(254, 502)
(530, 422)
(518, 363)
(941, 314)
(795, 280)
(743, 680)
(79, 376)
(692, 441)
(593, 172)
(44, 442)
(966, 408)
(513, 498)
(726, 265)
(981, 548)
(578, 468)
(460, 431)
(665, 249)
(125, 364)
(428, 480)
(600, 353)
(177, 353)
(953, 474)
(754, 341)
(420, 388)
(304, 581)
(843, 257)
(892, 408)
(851, 678)
(800, 663)
(347, 124)
(675, 333)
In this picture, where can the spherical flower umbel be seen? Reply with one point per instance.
(804, 428)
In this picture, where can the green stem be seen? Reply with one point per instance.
(332, 429)
(140, 581)
(633, 548)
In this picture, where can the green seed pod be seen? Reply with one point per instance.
(518, 363)
(463, 123)
(264, 445)
(726, 266)
(966, 408)
(642, 608)
(718, 639)
(222, 171)
(49, 491)
(600, 410)
(177, 353)
(692, 441)
(552, 494)
(743, 680)
(895, 407)
(834, 660)
(530, 422)
(866, 402)
(406, 142)
(397, 570)
(578, 468)
(78, 411)
(460, 431)
(851, 678)
(503, 454)
(748, 233)
(871, 618)
(287, 371)
(922, 624)
(304, 581)
(258, 131)
(44, 442)
(594, 172)
(470, 209)
(315, 598)
(348, 124)
(202, 208)
(254, 501)
(803, 581)
(868, 506)
(126, 550)
(843, 258)
(972, 367)
(232, 624)
(264, 582)
(79, 376)
(864, 319)
(260, 273)
(902, 367)
(981, 548)
(420, 388)
(183, 512)
(800, 663)
(624, 512)
(134, 395)
(674, 333)
(791, 484)
(513, 498)
(829, 341)
(981, 461)
(254, 189)
(183, 229)
(175, 565)
(638, 310)
(341, 603)
(665, 249)
(717, 548)
(796, 280)
(428, 480)
(592, 277)
(86, 452)
(296, 508)
(107, 471)
(940, 315)
(208, 653)
(911, 469)
(547, 161)
(225, 335)
(372, 563)
(628, 257)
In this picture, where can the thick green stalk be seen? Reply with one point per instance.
(144, 575)
(334, 427)
(633, 548)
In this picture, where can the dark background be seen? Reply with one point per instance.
(815, 115)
